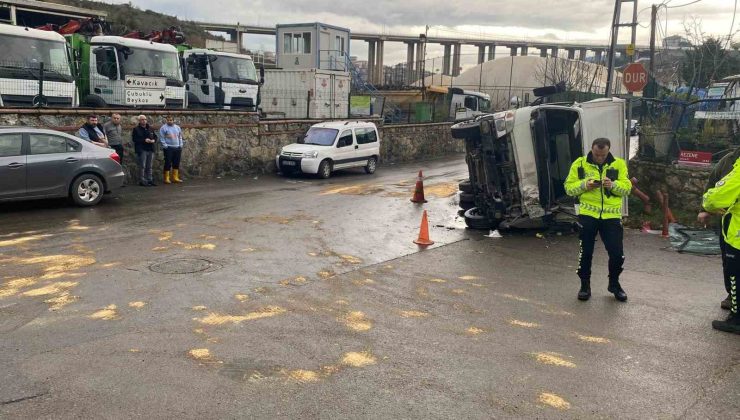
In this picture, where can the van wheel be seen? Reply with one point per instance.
(372, 164)
(475, 220)
(324, 169)
(87, 190)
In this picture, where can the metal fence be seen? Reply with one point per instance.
(674, 124)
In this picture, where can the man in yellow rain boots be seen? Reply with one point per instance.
(170, 135)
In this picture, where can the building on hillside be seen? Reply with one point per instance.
(676, 42)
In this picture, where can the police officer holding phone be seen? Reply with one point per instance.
(600, 181)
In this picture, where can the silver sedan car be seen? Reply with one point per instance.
(37, 163)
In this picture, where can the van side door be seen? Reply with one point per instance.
(367, 144)
(345, 153)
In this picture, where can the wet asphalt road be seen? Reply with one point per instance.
(301, 298)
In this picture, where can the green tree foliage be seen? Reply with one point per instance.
(709, 62)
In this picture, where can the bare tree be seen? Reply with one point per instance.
(578, 75)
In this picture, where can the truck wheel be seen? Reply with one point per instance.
(94, 101)
(324, 169)
(466, 205)
(475, 220)
(466, 130)
(193, 101)
(467, 197)
(466, 187)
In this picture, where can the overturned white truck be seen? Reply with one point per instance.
(519, 159)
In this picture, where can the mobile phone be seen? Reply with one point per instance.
(596, 182)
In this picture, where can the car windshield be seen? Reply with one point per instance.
(22, 58)
(233, 69)
(142, 62)
(320, 136)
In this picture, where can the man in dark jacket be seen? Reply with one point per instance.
(721, 169)
(93, 132)
(144, 139)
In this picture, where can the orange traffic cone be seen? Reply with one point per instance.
(423, 239)
(419, 190)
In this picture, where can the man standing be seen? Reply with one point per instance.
(144, 139)
(170, 135)
(93, 132)
(723, 199)
(112, 131)
(723, 167)
(600, 181)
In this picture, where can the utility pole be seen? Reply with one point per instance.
(651, 73)
(424, 61)
(616, 24)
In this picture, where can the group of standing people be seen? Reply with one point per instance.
(145, 138)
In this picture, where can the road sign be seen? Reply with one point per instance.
(146, 82)
(631, 50)
(635, 77)
(144, 97)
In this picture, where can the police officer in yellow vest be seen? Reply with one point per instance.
(724, 199)
(600, 181)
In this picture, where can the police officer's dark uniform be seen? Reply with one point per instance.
(600, 181)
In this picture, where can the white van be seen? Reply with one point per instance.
(329, 146)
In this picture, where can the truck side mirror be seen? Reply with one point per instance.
(262, 74)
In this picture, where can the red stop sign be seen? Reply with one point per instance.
(635, 77)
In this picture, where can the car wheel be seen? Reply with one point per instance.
(87, 190)
(372, 164)
(475, 220)
(324, 169)
(466, 187)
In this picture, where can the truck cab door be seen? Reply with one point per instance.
(105, 78)
(199, 79)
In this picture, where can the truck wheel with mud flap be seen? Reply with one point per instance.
(467, 197)
(475, 220)
(466, 130)
(324, 169)
(466, 187)
(94, 101)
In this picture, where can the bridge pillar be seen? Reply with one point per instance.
(525, 50)
(456, 60)
(599, 54)
(571, 53)
(512, 51)
(481, 54)
(446, 65)
(491, 52)
(419, 60)
(543, 52)
(379, 70)
(410, 65)
(554, 52)
(582, 54)
(370, 62)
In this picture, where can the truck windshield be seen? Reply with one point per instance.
(233, 69)
(142, 62)
(484, 105)
(22, 58)
(320, 136)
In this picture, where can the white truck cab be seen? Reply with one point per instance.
(133, 72)
(466, 104)
(221, 79)
(24, 52)
(329, 146)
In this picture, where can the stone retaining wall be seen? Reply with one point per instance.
(220, 143)
(685, 185)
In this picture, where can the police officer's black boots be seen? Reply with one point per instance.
(615, 288)
(585, 292)
(732, 323)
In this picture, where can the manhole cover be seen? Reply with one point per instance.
(181, 266)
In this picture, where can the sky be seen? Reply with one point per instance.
(564, 20)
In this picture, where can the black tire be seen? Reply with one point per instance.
(467, 198)
(475, 220)
(466, 130)
(324, 169)
(466, 187)
(94, 101)
(87, 190)
(194, 102)
(371, 166)
(466, 205)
